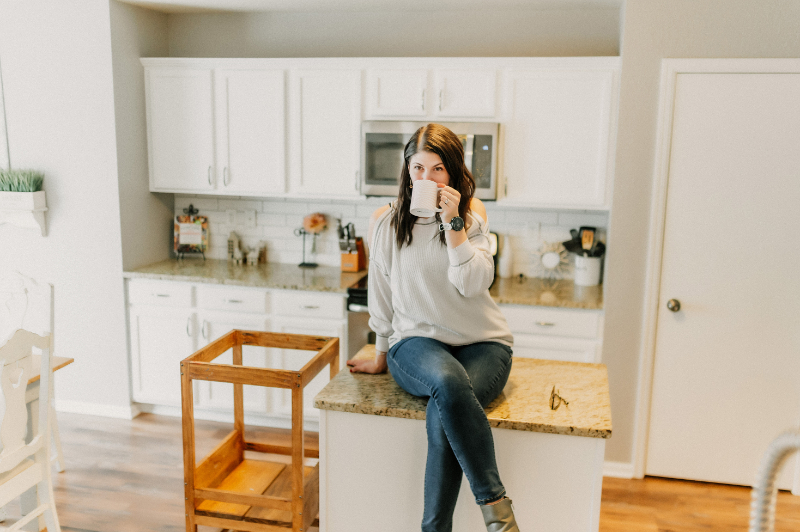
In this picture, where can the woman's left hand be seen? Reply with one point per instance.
(449, 198)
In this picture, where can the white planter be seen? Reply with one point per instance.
(24, 209)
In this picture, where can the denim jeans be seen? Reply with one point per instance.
(459, 382)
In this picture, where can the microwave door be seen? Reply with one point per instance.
(384, 158)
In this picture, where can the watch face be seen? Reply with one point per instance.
(457, 223)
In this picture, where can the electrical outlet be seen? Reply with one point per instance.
(231, 217)
(247, 218)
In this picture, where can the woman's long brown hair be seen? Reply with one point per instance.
(437, 139)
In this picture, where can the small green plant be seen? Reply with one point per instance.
(20, 180)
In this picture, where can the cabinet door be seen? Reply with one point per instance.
(293, 359)
(396, 93)
(220, 394)
(465, 93)
(250, 131)
(326, 128)
(180, 122)
(160, 339)
(557, 139)
(553, 348)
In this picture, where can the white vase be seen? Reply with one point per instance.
(505, 264)
(24, 209)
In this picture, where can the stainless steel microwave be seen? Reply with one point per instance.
(382, 144)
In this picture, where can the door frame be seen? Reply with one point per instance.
(670, 68)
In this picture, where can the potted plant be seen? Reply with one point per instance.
(22, 200)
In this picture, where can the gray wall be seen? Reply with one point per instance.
(495, 33)
(652, 31)
(144, 217)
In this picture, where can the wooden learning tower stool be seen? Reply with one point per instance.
(225, 476)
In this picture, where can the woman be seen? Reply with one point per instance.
(438, 330)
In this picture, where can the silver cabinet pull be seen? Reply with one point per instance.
(203, 329)
(225, 176)
(310, 307)
(209, 175)
(440, 99)
(162, 295)
(356, 179)
(423, 99)
(234, 301)
(545, 323)
(188, 323)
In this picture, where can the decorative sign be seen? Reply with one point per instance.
(191, 234)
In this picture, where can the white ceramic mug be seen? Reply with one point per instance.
(424, 198)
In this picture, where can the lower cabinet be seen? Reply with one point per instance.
(571, 335)
(169, 321)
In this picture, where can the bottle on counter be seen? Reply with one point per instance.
(505, 264)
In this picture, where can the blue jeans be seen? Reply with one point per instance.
(459, 382)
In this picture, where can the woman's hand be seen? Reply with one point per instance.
(375, 365)
(449, 198)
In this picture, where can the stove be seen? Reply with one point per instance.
(357, 296)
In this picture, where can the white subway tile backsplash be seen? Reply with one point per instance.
(278, 218)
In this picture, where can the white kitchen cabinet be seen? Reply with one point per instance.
(219, 395)
(293, 359)
(180, 129)
(560, 138)
(216, 131)
(160, 338)
(431, 94)
(570, 335)
(170, 320)
(325, 126)
(250, 132)
(397, 93)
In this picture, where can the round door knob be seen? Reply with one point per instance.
(674, 305)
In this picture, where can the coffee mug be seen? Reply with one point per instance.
(424, 198)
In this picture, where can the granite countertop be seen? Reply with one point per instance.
(523, 405)
(547, 293)
(270, 275)
(514, 291)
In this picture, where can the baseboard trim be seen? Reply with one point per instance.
(618, 469)
(97, 409)
(279, 422)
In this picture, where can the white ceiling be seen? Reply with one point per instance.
(189, 6)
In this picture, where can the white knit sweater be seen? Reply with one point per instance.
(427, 289)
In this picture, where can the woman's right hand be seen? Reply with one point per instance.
(373, 366)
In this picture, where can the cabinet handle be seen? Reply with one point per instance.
(162, 295)
(188, 323)
(545, 323)
(209, 175)
(423, 99)
(356, 180)
(234, 301)
(310, 307)
(440, 99)
(225, 176)
(203, 329)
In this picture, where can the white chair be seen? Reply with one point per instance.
(26, 304)
(26, 465)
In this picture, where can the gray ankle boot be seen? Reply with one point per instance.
(499, 517)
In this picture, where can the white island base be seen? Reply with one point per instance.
(372, 469)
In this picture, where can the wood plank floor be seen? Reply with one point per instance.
(127, 476)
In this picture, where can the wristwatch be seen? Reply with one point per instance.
(456, 224)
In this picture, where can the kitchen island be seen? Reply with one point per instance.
(373, 448)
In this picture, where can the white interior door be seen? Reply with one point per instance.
(727, 365)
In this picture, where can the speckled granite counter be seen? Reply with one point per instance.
(547, 293)
(271, 275)
(523, 405)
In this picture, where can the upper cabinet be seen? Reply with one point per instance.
(440, 93)
(180, 127)
(559, 137)
(292, 127)
(325, 118)
(216, 131)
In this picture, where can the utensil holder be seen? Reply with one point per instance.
(587, 270)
